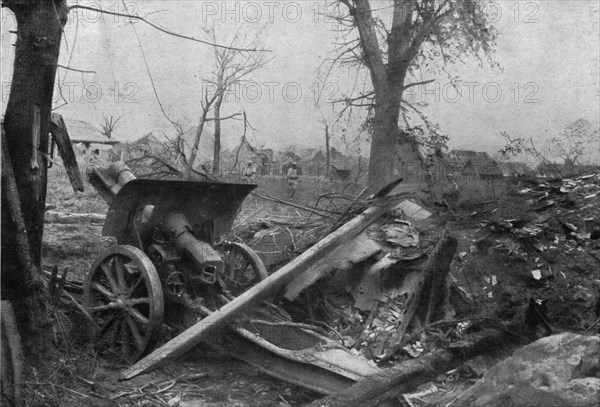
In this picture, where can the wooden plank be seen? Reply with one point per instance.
(342, 258)
(73, 218)
(275, 282)
(389, 383)
(59, 132)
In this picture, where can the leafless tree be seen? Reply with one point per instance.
(109, 125)
(578, 141)
(393, 41)
(232, 68)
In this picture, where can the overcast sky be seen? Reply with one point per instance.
(548, 52)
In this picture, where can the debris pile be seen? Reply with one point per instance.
(391, 276)
(556, 241)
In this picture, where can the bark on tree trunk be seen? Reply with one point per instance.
(327, 156)
(217, 147)
(390, 148)
(26, 125)
(385, 136)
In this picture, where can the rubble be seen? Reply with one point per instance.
(560, 370)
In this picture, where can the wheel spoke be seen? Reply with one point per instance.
(111, 279)
(107, 325)
(244, 268)
(100, 308)
(103, 290)
(126, 344)
(116, 333)
(138, 316)
(138, 301)
(135, 285)
(118, 269)
(134, 331)
(230, 267)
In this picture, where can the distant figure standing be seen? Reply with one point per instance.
(249, 173)
(292, 177)
(451, 192)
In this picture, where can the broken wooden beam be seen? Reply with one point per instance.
(59, 132)
(342, 258)
(389, 383)
(431, 294)
(73, 218)
(275, 282)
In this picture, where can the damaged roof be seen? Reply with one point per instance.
(83, 132)
(477, 159)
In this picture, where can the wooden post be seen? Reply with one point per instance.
(58, 129)
(201, 330)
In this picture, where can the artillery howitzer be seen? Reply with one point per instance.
(169, 262)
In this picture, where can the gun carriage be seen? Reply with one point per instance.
(170, 262)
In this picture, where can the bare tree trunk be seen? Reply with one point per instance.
(383, 155)
(328, 163)
(27, 125)
(190, 164)
(217, 146)
(389, 148)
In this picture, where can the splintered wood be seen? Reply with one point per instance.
(430, 294)
(389, 383)
(59, 132)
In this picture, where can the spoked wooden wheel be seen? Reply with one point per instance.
(242, 268)
(123, 294)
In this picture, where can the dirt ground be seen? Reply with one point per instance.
(509, 253)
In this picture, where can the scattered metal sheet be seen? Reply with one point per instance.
(412, 210)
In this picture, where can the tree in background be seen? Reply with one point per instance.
(421, 34)
(232, 68)
(578, 142)
(109, 125)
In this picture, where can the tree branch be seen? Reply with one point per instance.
(368, 37)
(223, 118)
(77, 6)
(410, 85)
(74, 69)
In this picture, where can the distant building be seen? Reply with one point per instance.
(87, 139)
(471, 164)
(515, 168)
(315, 163)
(245, 152)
